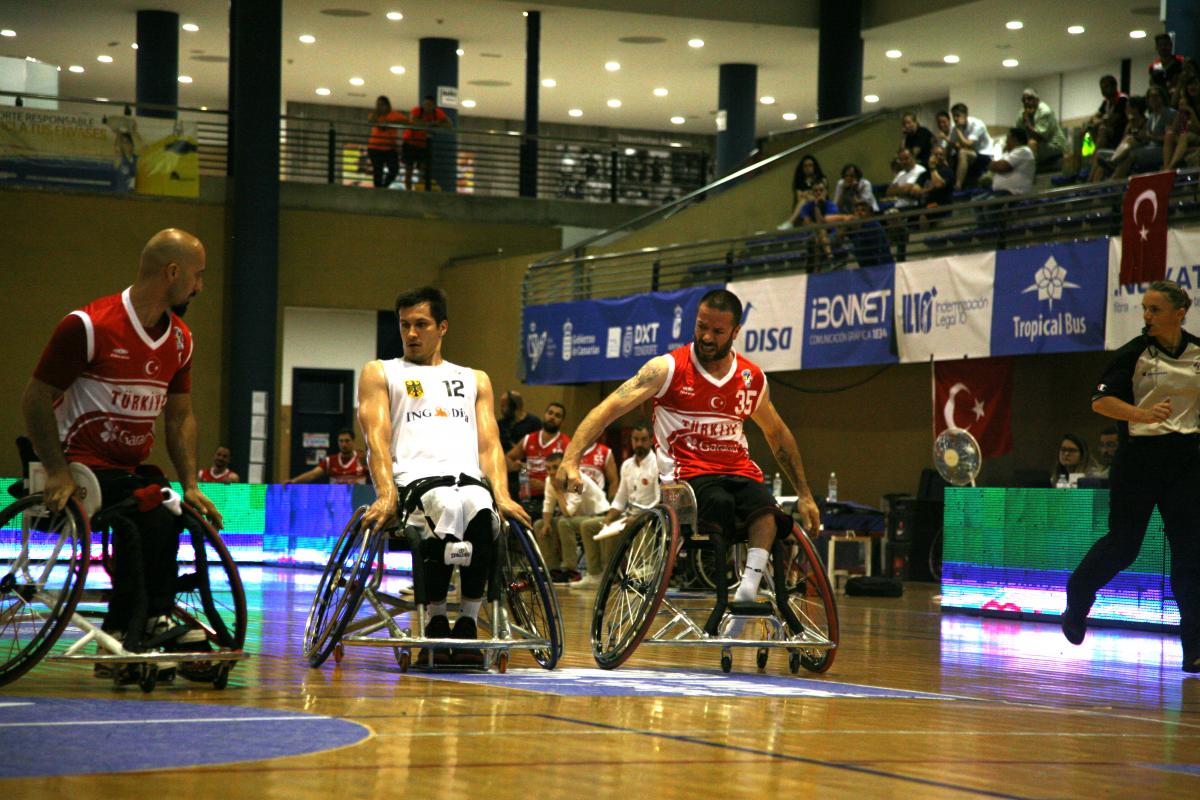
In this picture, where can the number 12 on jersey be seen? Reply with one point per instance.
(454, 388)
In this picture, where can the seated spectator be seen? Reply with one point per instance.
(944, 135)
(1184, 137)
(937, 183)
(1071, 461)
(917, 139)
(868, 240)
(571, 514)
(1045, 136)
(1102, 465)
(905, 191)
(819, 211)
(638, 489)
(219, 472)
(808, 174)
(1165, 70)
(1013, 171)
(1137, 133)
(851, 188)
(1107, 125)
(974, 146)
(1147, 153)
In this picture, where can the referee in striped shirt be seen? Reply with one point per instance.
(1152, 388)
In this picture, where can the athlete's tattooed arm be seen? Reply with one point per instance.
(787, 453)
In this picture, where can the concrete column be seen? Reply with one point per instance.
(439, 67)
(157, 61)
(533, 60)
(737, 102)
(840, 59)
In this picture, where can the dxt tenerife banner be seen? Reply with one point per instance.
(106, 153)
(1125, 302)
(605, 340)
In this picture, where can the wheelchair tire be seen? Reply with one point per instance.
(340, 591)
(529, 595)
(57, 558)
(210, 597)
(704, 563)
(633, 586)
(810, 602)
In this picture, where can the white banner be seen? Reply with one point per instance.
(1124, 316)
(772, 321)
(944, 307)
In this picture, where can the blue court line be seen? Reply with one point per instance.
(1186, 769)
(816, 762)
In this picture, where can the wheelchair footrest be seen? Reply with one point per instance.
(750, 609)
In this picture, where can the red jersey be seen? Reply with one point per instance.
(536, 452)
(592, 462)
(115, 377)
(341, 470)
(698, 418)
(209, 475)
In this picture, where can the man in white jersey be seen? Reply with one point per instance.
(424, 417)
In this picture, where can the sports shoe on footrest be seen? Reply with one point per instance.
(465, 628)
(438, 627)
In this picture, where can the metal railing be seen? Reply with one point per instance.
(1071, 213)
(489, 162)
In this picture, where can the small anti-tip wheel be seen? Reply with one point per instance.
(502, 662)
(222, 677)
(726, 660)
(794, 661)
(339, 652)
(404, 659)
(149, 678)
(761, 658)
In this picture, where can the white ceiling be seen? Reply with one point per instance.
(576, 42)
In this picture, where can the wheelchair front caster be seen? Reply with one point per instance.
(726, 660)
(794, 661)
(502, 662)
(339, 652)
(761, 658)
(149, 678)
(221, 680)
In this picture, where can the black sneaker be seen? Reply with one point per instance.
(1191, 663)
(1074, 626)
(465, 628)
(438, 627)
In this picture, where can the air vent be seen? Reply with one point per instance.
(489, 82)
(212, 59)
(345, 12)
(641, 40)
(930, 64)
(490, 55)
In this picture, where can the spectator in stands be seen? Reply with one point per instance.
(917, 139)
(571, 514)
(1165, 70)
(219, 472)
(943, 134)
(638, 488)
(868, 240)
(974, 145)
(515, 422)
(1184, 137)
(1071, 461)
(1107, 125)
(937, 182)
(851, 188)
(381, 147)
(1147, 156)
(1102, 464)
(820, 210)
(415, 150)
(1013, 171)
(1042, 131)
(905, 191)
(1137, 134)
(808, 174)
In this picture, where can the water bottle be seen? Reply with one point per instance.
(523, 482)
(831, 492)
(777, 485)
(1062, 482)
(1089, 145)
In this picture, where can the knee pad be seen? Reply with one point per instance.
(449, 551)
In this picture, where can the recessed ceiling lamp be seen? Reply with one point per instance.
(191, 27)
(696, 43)
(871, 98)
(767, 100)
(134, 45)
(8, 33)
(677, 120)
(790, 116)
(469, 103)
(614, 103)
(661, 91)
(575, 112)
(612, 66)
(321, 90)
(1010, 63)
(104, 59)
(395, 16)
(1137, 34)
(549, 83)
(950, 59)
(1014, 24)
(1075, 30)
(75, 68)
(307, 38)
(185, 79)
(397, 70)
(893, 54)
(357, 81)
(460, 52)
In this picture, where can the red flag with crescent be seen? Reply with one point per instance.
(976, 396)
(1144, 228)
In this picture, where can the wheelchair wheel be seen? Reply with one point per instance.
(704, 562)
(531, 600)
(209, 596)
(810, 603)
(340, 592)
(43, 565)
(633, 586)
(935, 557)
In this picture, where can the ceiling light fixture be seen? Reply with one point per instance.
(104, 59)
(767, 100)
(184, 78)
(468, 103)
(460, 52)
(397, 70)
(191, 27)
(676, 144)
(790, 116)
(1014, 24)
(1075, 30)
(661, 91)
(8, 33)
(75, 68)
(950, 59)
(696, 43)
(871, 98)
(629, 151)
(893, 54)
(549, 83)
(307, 38)
(614, 103)
(575, 112)
(677, 120)
(321, 90)
(101, 99)
(612, 66)
(395, 16)
(357, 81)
(134, 45)
(1137, 34)
(1010, 63)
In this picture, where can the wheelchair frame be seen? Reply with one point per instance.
(30, 583)
(331, 634)
(809, 640)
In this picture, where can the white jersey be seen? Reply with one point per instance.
(434, 430)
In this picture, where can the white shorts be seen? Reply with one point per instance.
(449, 509)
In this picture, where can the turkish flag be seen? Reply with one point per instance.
(1144, 228)
(975, 395)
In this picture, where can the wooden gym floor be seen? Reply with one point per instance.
(1009, 710)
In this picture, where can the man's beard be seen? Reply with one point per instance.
(550, 427)
(641, 452)
(181, 309)
(720, 353)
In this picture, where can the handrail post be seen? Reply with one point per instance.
(331, 156)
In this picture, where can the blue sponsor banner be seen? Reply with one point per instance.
(1050, 298)
(848, 319)
(605, 340)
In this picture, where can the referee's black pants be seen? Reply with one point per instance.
(1150, 471)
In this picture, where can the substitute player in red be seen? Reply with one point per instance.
(345, 466)
(703, 393)
(108, 372)
(220, 472)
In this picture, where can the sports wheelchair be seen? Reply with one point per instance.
(522, 610)
(799, 615)
(44, 562)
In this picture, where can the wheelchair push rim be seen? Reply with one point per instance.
(811, 607)
(340, 591)
(530, 596)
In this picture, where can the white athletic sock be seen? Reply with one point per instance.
(437, 609)
(756, 563)
(470, 608)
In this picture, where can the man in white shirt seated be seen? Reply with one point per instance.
(638, 488)
(1013, 171)
(570, 514)
(973, 142)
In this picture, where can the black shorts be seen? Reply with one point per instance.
(728, 503)
(414, 154)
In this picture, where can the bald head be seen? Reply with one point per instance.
(169, 246)
(170, 271)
